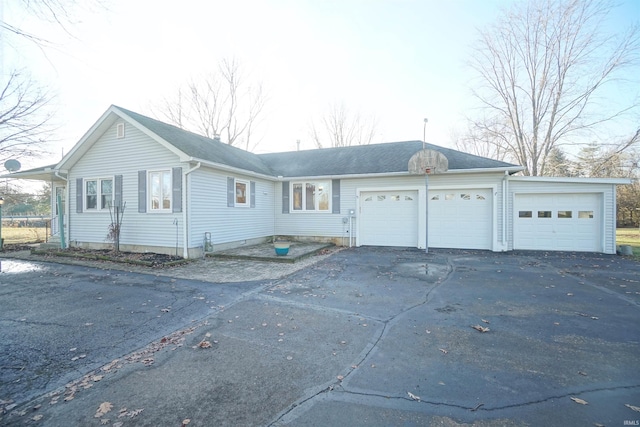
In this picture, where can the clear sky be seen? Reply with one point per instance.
(400, 60)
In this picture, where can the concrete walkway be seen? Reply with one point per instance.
(244, 264)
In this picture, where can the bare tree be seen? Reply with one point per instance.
(218, 104)
(474, 141)
(25, 114)
(24, 117)
(339, 127)
(544, 67)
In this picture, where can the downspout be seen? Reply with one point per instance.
(185, 227)
(505, 195)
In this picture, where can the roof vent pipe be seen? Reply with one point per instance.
(298, 144)
(216, 137)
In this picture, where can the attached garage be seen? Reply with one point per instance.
(461, 218)
(389, 218)
(558, 221)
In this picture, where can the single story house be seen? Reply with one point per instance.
(179, 187)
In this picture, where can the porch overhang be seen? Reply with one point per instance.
(44, 173)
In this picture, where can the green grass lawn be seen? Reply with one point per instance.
(22, 235)
(631, 237)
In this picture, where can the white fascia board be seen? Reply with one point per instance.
(616, 181)
(511, 169)
(228, 168)
(87, 140)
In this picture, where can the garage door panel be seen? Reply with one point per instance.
(574, 223)
(389, 218)
(460, 218)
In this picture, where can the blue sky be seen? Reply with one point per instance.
(399, 60)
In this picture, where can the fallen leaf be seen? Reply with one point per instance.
(69, 398)
(204, 344)
(96, 378)
(103, 409)
(413, 396)
(481, 328)
(485, 321)
(582, 373)
(37, 417)
(105, 421)
(340, 377)
(118, 424)
(633, 408)
(165, 310)
(185, 422)
(580, 401)
(443, 350)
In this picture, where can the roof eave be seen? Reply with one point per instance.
(228, 168)
(581, 180)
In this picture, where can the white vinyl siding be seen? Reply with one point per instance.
(210, 213)
(111, 156)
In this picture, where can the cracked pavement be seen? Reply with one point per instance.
(367, 336)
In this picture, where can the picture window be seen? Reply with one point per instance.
(311, 196)
(525, 214)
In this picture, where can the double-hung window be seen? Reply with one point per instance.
(311, 196)
(242, 193)
(98, 194)
(160, 191)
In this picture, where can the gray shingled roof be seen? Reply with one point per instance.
(361, 159)
(202, 147)
(366, 159)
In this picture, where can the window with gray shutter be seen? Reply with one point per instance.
(117, 194)
(252, 187)
(142, 191)
(79, 197)
(335, 195)
(231, 192)
(285, 197)
(176, 183)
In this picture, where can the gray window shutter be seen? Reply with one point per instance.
(79, 199)
(252, 186)
(285, 197)
(117, 193)
(142, 191)
(231, 192)
(176, 182)
(335, 196)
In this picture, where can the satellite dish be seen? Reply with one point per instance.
(12, 165)
(428, 162)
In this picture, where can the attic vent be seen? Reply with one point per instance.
(120, 131)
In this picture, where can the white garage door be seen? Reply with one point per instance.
(389, 218)
(460, 218)
(558, 222)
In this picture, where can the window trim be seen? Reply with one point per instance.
(247, 196)
(161, 210)
(328, 190)
(85, 194)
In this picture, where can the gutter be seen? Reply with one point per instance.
(185, 228)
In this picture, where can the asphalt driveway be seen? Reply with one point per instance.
(368, 336)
